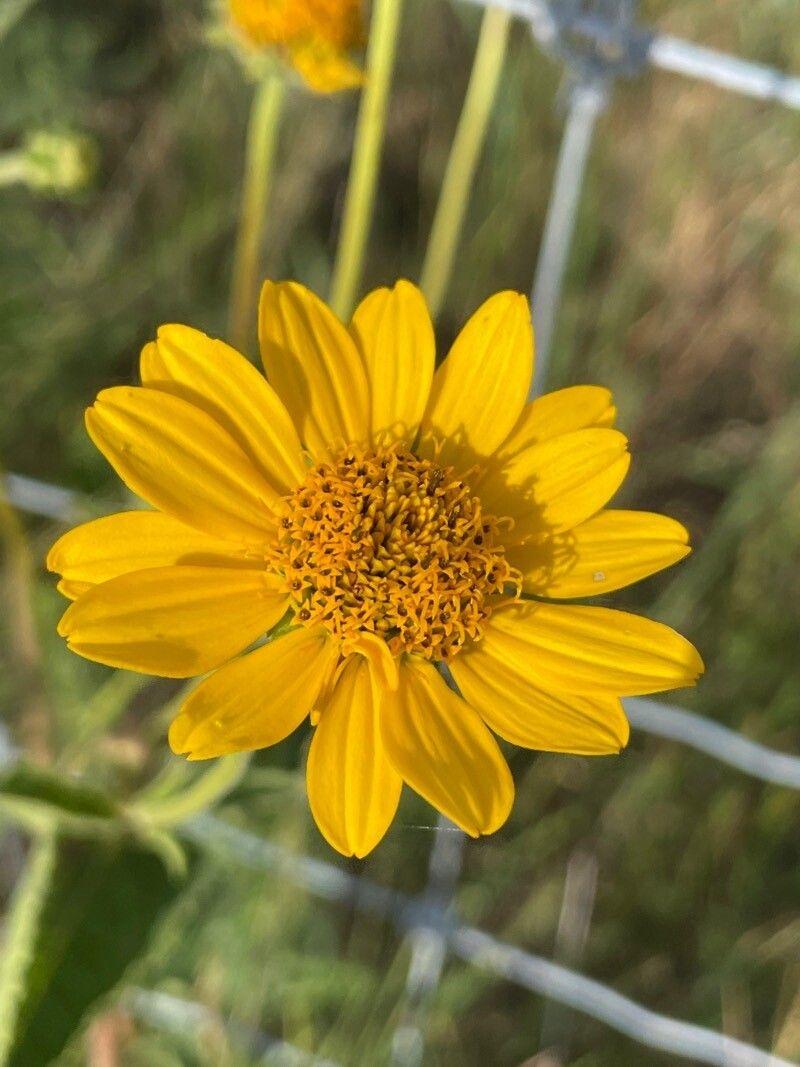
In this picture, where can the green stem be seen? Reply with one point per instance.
(22, 927)
(13, 168)
(10, 14)
(362, 182)
(262, 136)
(464, 155)
(100, 713)
(213, 785)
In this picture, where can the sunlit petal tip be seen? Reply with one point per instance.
(63, 625)
(149, 363)
(682, 535)
(576, 407)
(353, 790)
(511, 699)
(116, 544)
(609, 551)
(590, 650)
(72, 590)
(178, 734)
(698, 667)
(52, 560)
(394, 334)
(481, 387)
(179, 458)
(219, 380)
(556, 484)
(314, 364)
(443, 750)
(177, 331)
(257, 700)
(625, 736)
(174, 621)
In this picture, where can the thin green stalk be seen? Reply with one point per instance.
(10, 14)
(100, 713)
(262, 136)
(362, 182)
(464, 155)
(212, 786)
(21, 930)
(13, 167)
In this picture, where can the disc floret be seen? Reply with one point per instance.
(384, 542)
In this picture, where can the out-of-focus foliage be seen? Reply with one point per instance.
(98, 914)
(683, 294)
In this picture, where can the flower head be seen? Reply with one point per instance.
(315, 36)
(396, 519)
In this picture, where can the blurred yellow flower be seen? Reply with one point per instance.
(393, 517)
(314, 35)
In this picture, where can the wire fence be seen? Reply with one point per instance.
(597, 43)
(189, 1020)
(554, 24)
(476, 947)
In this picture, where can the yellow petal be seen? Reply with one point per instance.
(558, 484)
(323, 67)
(135, 541)
(173, 621)
(612, 550)
(374, 649)
(576, 408)
(181, 461)
(257, 700)
(394, 332)
(591, 650)
(480, 389)
(215, 377)
(72, 590)
(440, 746)
(353, 789)
(313, 363)
(520, 711)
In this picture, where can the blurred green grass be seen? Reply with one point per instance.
(683, 294)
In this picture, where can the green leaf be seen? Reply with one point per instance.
(20, 935)
(39, 797)
(103, 902)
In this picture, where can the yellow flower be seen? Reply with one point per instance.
(315, 36)
(400, 517)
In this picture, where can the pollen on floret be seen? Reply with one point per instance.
(386, 543)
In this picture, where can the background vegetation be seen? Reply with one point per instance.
(683, 296)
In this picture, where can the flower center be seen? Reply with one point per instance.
(395, 545)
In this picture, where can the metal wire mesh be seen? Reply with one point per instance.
(479, 948)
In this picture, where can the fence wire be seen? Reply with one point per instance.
(551, 23)
(476, 947)
(587, 99)
(194, 1022)
(427, 944)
